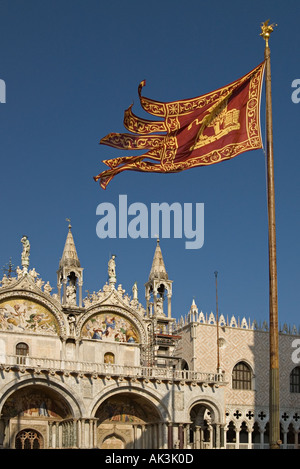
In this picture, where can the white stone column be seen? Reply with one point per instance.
(164, 435)
(197, 437)
(150, 434)
(187, 441)
(261, 437)
(250, 432)
(201, 437)
(58, 440)
(284, 438)
(218, 436)
(159, 436)
(50, 437)
(296, 439)
(64, 298)
(134, 436)
(155, 436)
(79, 433)
(143, 439)
(237, 438)
(169, 296)
(95, 433)
(91, 436)
(80, 283)
(139, 437)
(211, 436)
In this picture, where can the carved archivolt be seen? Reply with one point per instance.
(25, 311)
(123, 318)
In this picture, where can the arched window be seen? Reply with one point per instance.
(295, 380)
(22, 351)
(241, 376)
(231, 433)
(109, 358)
(244, 433)
(184, 365)
(29, 439)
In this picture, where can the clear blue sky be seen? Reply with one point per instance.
(71, 68)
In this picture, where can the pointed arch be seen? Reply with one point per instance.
(242, 376)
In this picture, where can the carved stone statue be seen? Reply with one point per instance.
(71, 295)
(26, 252)
(159, 307)
(48, 288)
(72, 323)
(33, 273)
(112, 270)
(39, 283)
(19, 272)
(135, 291)
(5, 281)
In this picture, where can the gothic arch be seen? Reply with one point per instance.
(29, 438)
(240, 378)
(244, 360)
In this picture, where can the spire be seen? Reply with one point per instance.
(70, 274)
(158, 269)
(193, 312)
(158, 293)
(69, 257)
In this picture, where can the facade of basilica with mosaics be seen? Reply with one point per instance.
(114, 371)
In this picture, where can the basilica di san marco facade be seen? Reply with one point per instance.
(114, 371)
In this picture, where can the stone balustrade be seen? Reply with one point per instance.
(37, 365)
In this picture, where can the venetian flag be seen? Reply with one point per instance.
(194, 132)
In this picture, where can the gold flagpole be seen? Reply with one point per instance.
(217, 320)
(274, 418)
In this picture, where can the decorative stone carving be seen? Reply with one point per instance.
(19, 272)
(71, 295)
(5, 281)
(112, 270)
(47, 288)
(25, 253)
(39, 283)
(33, 273)
(72, 324)
(135, 291)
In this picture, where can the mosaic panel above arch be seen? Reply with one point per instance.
(126, 408)
(23, 315)
(110, 327)
(35, 402)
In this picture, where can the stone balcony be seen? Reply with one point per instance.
(27, 364)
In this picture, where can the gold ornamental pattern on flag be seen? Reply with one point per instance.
(195, 132)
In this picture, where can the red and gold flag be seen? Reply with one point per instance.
(194, 132)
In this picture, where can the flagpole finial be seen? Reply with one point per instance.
(266, 30)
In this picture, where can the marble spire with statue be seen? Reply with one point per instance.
(25, 253)
(112, 270)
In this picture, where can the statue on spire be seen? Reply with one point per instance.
(112, 270)
(25, 253)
